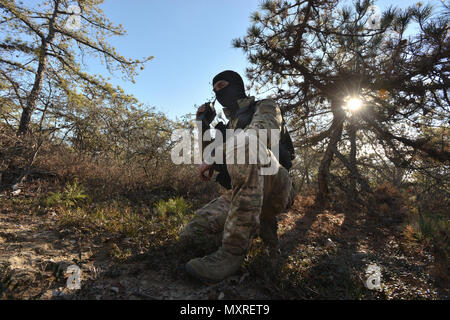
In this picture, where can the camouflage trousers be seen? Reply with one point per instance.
(247, 210)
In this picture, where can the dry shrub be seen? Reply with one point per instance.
(106, 177)
(6, 143)
(388, 201)
(16, 155)
(428, 227)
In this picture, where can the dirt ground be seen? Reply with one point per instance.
(324, 255)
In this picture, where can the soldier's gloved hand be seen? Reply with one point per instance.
(204, 167)
(202, 109)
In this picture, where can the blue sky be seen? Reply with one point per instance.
(191, 42)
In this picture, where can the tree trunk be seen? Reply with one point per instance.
(34, 94)
(353, 172)
(336, 134)
(32, 99)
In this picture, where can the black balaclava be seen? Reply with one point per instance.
(229, 95)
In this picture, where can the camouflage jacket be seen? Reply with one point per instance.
(267, 114)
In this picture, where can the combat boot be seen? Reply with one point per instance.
(268, 233)
(214, 267)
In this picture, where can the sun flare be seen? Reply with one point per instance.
(354, 104)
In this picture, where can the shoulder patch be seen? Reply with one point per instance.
(267, 101)
(268, 105)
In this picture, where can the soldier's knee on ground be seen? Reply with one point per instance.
(196, 233)
(207, 225)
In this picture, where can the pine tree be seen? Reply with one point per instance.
(46, 91)
(42, 51)
(314, 56)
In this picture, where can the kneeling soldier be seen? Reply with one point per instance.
(254, 200)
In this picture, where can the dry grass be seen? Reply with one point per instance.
(142, 208)
(106, 177)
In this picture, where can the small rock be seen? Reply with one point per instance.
(221, 296)
(330, 243)
(58, 292)
(115, 289)
(244, 276)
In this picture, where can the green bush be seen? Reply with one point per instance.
(173, 207)
(433, 228)
(72, 195)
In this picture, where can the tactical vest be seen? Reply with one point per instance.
(244, 117)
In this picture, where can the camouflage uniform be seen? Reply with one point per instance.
(251, 206)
